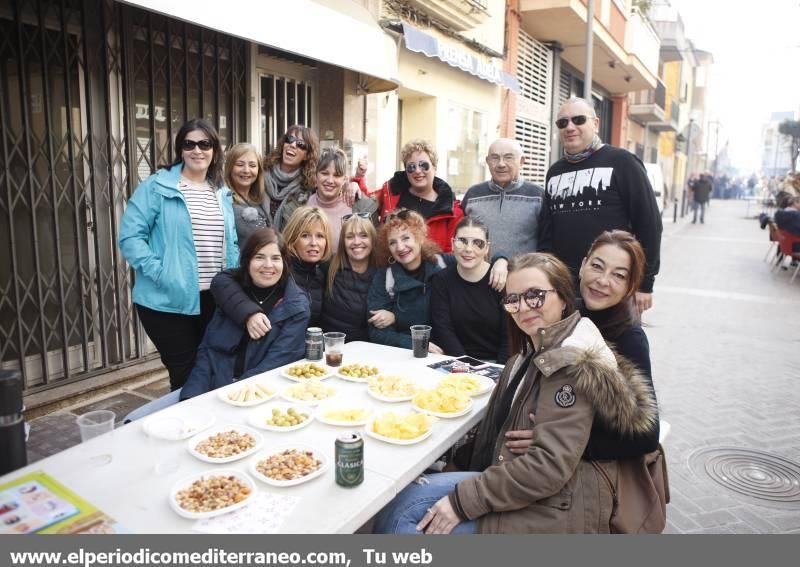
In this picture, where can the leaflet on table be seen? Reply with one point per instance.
(264, 515)
(37, 503)
(492, 371)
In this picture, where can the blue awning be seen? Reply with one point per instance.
(420, 42)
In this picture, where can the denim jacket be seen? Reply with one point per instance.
(156, 240)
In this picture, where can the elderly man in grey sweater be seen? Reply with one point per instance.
(510, 206)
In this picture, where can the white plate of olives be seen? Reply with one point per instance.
(360, 373)
(282, 417)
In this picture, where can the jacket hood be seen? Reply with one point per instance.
(445, 197)
(618, 390)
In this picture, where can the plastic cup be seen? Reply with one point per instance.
(420, 339)
(98, 428)
(334, 345)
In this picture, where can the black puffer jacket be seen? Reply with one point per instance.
(345, 310)
(311, 278)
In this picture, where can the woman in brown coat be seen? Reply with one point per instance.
(564, 374)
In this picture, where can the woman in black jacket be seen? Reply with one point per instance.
(610, 275)
(349, 276)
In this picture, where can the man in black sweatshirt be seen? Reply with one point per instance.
(597, 187)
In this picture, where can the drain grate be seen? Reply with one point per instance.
(768, 478)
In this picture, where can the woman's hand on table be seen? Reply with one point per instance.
(519, 440)
(381, 318)
(258, 326)
(440, 518)
(497, 277)
(434, 348)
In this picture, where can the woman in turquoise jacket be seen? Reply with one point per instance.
(177, 232)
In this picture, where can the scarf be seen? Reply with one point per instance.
(280, 185)
(580, 156)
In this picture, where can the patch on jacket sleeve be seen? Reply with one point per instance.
(565, 397)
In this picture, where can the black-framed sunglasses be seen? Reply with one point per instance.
(461, 243)
(534, 298)
(292, 139)
(189, 145)
(402, 214)
(411, 167)
(578, 120)
(350, 216)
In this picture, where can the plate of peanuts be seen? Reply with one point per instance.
(211, 493)
(225, 443)
(288, 466)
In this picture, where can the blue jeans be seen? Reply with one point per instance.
(401, 515)
(702, 207)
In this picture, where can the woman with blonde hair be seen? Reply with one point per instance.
(331, 182)
(244, 175)
(289, 176)
(349, 276)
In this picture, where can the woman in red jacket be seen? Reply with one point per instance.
(418, 189)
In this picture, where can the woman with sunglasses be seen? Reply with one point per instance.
(227, 354)
(349, 276)
(331, 183)
(563, 370)
(244, 174)
(465, 311)
(177, 232)
(417, 188)
(290, 174)
(609, 277)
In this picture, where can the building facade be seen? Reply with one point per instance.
(92, 93)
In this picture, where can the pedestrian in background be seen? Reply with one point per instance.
(177, 232)
(701, 192)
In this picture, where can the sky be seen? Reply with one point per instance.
(756, 49)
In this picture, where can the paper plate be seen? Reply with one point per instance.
(328, 372)
(289, 398)
(333, 406)
(486, 384)
(259, 417)
(194, 441)
(177, 424)
(271, 481)
(444, 415)
(224, 392)
(392, 440)
(187, 481)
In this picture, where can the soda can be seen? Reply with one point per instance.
(349, 460)
(314, 344)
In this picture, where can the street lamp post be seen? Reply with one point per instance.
(587, 74)
(688, 167)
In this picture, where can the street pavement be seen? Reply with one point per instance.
(725, 345)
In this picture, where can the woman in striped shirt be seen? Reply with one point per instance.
(177, 232)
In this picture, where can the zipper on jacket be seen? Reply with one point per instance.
(611, 486)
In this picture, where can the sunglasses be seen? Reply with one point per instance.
(461, 243)
(402, 214)
(351, 216)
(534, 298)
(423, 165)
(578, 120)
(189, 145)
(291, 139)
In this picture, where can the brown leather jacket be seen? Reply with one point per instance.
(550, 489)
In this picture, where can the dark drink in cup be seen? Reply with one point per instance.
(333, 358)
(420, 339)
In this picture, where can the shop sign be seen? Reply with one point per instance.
(420, 42)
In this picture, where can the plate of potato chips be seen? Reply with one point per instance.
(343, 414)
(443, 401)
(400, 428)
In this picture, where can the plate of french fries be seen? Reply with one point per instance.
(246, 394)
